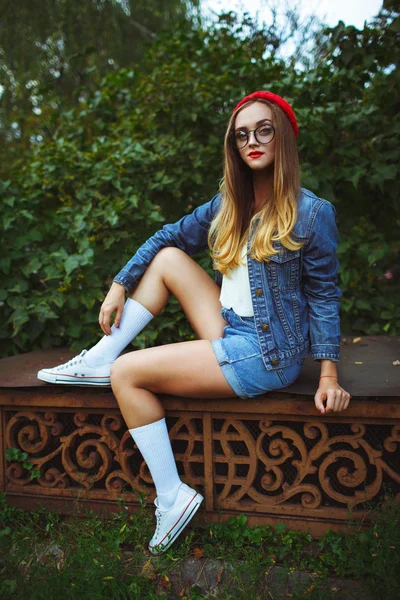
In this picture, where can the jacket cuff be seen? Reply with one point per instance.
(325, 351)
(127, 280)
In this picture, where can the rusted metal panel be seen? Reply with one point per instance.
(54, 395)
(2, 451)
(208, 461)
(272, 458)
(269, 466)
(279, 404)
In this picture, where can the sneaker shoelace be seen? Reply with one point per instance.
(159, 514)
(73, 361)
(158, 517)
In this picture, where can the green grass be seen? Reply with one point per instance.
(108, 559)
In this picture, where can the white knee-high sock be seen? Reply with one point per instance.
(134, 318)
(155, 447)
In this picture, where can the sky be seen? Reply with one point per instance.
(352, 12)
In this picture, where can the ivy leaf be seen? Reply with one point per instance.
(18, 319)
(72, 263)
(280, 527)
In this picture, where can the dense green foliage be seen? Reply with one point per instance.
(146, 148)
(50, 50)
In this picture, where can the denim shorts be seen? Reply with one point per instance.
(239, 355)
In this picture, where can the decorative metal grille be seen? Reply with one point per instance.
(243, 463)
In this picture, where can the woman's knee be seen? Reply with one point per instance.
(171, 253)
(122, 372)
(169, 257)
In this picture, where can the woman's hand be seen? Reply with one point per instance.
(337, 398)
(114, 301)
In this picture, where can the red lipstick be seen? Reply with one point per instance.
(256, 154)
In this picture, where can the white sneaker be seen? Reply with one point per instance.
(170, 523)
(77, 371)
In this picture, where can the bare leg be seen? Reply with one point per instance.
(173, 271)
(185, 368)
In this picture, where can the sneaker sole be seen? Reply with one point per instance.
(72, 379)
(182, 524)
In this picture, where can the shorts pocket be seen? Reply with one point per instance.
(250, 322)
(282, 377)
(289, 374)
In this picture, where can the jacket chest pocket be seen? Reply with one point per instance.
(283, 269)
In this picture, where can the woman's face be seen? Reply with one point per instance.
(255, 154)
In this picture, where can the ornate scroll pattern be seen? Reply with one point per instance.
(262, 464)
(70, 450)
(302, 462)
(183, 430)
(32, 432)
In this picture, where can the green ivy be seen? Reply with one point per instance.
(16, 455)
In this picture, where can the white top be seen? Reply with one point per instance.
(235, 290)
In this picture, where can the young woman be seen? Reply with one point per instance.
(273, 246)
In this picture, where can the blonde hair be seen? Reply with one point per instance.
(230, 227)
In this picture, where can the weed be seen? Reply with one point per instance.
(45, 556)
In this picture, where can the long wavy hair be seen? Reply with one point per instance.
(275, 220)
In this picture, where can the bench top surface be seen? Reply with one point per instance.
(365, 369)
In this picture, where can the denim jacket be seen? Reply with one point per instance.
(296, 298)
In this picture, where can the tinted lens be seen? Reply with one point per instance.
(265, 134)
(240, 138)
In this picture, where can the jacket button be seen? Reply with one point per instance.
(264, 327)
(275, 362)
(258, 292)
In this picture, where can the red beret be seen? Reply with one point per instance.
(285, 106)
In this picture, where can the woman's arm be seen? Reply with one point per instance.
(320, 285)
(189, 234)
(320, 281)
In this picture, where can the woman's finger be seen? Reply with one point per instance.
(347, 401)
(103, 327)
(341, 400)
(106, 322)
(331, 400)
(100, 317)
(118, 316)
(319, 401)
